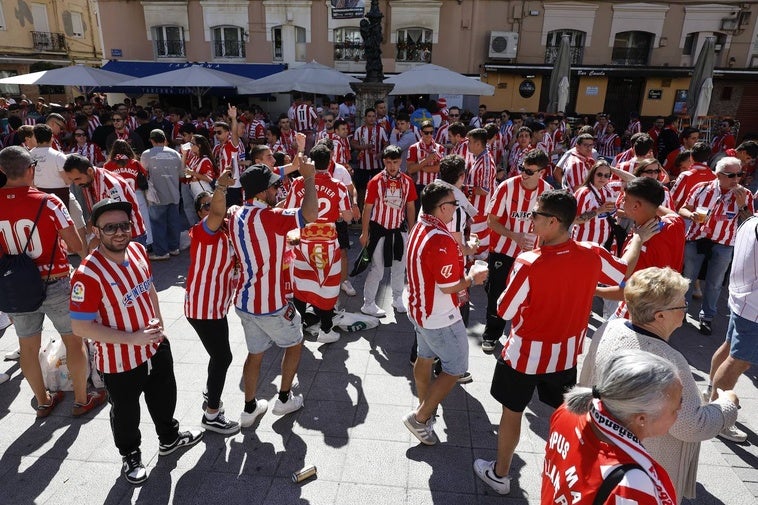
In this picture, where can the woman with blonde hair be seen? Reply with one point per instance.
(656, 304)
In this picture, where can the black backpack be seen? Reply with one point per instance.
(610, 482)
(21, 285)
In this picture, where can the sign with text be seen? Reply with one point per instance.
(347, 9)
(654, 94)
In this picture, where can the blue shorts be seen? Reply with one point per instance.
(55, 307)
(449, 344)
(282, 328)
(742, 336)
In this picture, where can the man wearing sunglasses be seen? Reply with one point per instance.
(227, 153)
(125, 321)
(712, 235)
(442, 136)
(424, 157)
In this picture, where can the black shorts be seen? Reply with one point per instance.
(342, 237)
(361, 177)
(514, 389)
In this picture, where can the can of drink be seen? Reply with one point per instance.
(304, 473)
(154, 322)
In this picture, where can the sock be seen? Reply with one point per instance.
(250, 406)
(284, 396)
(496, 475)
(210, 416)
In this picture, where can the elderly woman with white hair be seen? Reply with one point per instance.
(715, 208)
(655, 300)
(594, 451)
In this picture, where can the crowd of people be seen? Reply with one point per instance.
(647, 221)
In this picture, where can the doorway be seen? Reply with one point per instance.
(622, 97)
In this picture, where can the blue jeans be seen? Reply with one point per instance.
(718, 264)
(166, 224)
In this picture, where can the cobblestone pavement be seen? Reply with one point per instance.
(356, 391)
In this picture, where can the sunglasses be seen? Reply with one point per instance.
(118, 120)
(454, 203)
(427, 132)
(112, 228)
(80, 134)
(205, 206)
(731, 175)
(652, 171)
(604, 176)
(526, 171)
(543, 214)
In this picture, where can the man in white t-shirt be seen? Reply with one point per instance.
(48, 171)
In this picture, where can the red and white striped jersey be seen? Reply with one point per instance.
(256, 130)
(258, 236)
(596, 229)
(90, 151)
(131, 123)
(548, 299)
(516, 158)
(305, 118)
(388, 197)
(623, 156)
(575, 170)
(547, 144)
(210, 281)
(92, 123)
(496, 148)
(225, 159)
(461, 149)
(370, 159)
(512, 204)
(341, 152)
(627, 166)
(385, 123)
(117, 296)
(417, 152)
(506, 131)
(722, 143)
(481, 173)
(202, 166)
(176, 136)
(289, 142)
(434, 261)
(441, 136)
(609, 145)
(106, 184)
(687, 180)
(634, 126)
(721, 224)
(18, 208)
(128, 172)
(322, 134)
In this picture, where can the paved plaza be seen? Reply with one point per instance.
(356, 391)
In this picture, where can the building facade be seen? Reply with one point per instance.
(44, 34)
(626, 56)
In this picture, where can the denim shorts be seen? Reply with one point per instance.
(282, 328)
(742, 336)
(55, 307)
(449, 344)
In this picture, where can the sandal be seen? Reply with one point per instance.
(55, 399)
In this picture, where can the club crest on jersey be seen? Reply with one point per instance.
(77, 292)
(446, 271)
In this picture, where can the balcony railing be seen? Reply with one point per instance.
(229, 48)
(169, 48)
(576, 54)
(630, 55)
(419, 52)
(348, 51)
(46, 41)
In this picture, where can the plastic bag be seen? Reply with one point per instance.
(52, 361)
(349, 321)
(94, 375)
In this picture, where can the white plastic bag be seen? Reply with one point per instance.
(349, 321)
(52, 361)
(94, 375)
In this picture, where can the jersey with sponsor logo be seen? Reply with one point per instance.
(389, 197)
(416, 154)
(106, 184)
(721, 224)
(376, 136)
(433, 262)
(596, 229)
(258, 236)
(18, 209)
(211, 280)
(117, 296)
(512, 204)
(687, 180)
(548, 299)
(256, 130)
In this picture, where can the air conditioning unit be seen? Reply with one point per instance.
(503, 45)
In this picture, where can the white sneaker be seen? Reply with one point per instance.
(485, 470)
(294, 403)
(4, 377)
(347, 288)
(733, 434)
(399, 307)
(5, 321)
(371, 309)
(327, 337)
(13, 355)
(248, 419)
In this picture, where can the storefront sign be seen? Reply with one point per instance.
(654, 94)
(527, 88)
(592, 91)
(116, 53)
(591, 73)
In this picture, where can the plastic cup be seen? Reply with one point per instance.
(478, 267)
(701, 213)
(531, 239)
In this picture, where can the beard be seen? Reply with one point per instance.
(110, 246)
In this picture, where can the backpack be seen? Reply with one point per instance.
(610, 482)
(21, 285)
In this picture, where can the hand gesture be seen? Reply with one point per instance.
(232, 111)
(300, 140)
(307, 168)
(225, 179)
(648, 230)
(740, 196)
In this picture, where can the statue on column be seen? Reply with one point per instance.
(371, 32)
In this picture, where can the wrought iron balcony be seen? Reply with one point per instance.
(349, 51)
(575, 53)
(229, 48)
(169, 48)
(47, 41)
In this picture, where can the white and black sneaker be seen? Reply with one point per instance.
(220, 424)
(132, 469)
(185, 439)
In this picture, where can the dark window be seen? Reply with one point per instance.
(632, 48)
(348, 45)
(576, 39)
(414, 44)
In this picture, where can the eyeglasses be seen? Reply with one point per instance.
(218, 132)
(205, 206)
(652, 171)
(80, 134)
(112, 228)
(523, 169)
(543, 214)
(454, 203)
(454, 115)
(604, 176)
(683, 307)
(427, 132)
(33, 163)
(731, 175)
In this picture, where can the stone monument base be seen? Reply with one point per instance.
(366, 93)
